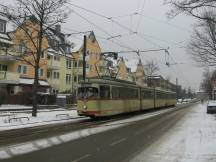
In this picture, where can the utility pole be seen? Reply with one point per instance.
(84, 57)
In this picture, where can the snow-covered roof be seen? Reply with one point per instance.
(5, 41)
(4, 38)
(52, 51)
(132, 64)
(77, 41)
(31, 81)
(3, 18)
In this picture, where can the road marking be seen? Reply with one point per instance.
(81, 158)
(117, 142)
(139, 132)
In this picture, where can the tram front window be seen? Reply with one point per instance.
(87, 92)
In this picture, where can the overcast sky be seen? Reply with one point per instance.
(154, 31)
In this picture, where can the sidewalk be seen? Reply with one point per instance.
(193, 139)
(24, 119)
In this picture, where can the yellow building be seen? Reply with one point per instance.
(93, 57)
(19, 74)
(60, 69)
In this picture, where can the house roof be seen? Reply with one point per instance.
(78, 39)
(3, 18)
(5, 41)
(31, 81)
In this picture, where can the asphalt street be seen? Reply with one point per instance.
(115, 145)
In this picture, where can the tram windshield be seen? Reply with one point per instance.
(87, 92)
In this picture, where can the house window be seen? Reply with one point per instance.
(56, 58)
(68, 78)
(22, 48)
(75, 63)
(40, 72)
(68, 63)
(3, 67)
(56, 75)
(22, 69)
(80, 78)
(42, 54)
(75, 78)
(81, 63)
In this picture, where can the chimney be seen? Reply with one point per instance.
(58, 28)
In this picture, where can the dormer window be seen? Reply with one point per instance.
(2, 26)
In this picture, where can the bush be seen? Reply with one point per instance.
(46, 99)
(25, 98)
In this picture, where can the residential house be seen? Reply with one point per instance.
(60, 61)
(19, 72)
(159, 81)
(7, 76)
(94, 63)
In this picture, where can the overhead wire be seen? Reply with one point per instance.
(140, 19)
(122, 26)
(125, 27)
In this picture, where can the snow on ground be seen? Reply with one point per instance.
(2, 107)
(193, 139)
(23, 148)
(14, 120)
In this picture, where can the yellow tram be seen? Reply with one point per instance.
(99, 97)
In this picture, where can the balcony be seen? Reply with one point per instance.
(78, 70)
(9, 77)
(54, 65)
(87, 58)
(7, 58)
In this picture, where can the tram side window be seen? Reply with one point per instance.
(115, 93)
(128, 93)
(87, 92)
(147, 94)
(158, 95)
(105, 92)
(124, 93)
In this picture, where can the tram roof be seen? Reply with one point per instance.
(114, 81)
(106, 80)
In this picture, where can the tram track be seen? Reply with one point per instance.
(33, 133)
(16, 136)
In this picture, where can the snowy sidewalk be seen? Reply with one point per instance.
(193, 139)
(14, 120)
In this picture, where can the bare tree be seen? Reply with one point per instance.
(208, 78)
(44, 13)
(151, 68)
(203, 39)
(202, 45)
(195, 8)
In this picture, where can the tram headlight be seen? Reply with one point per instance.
(85, 107)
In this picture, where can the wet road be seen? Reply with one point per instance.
(193, 139)
(115, 145)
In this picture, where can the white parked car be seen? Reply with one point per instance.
(211, 106)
